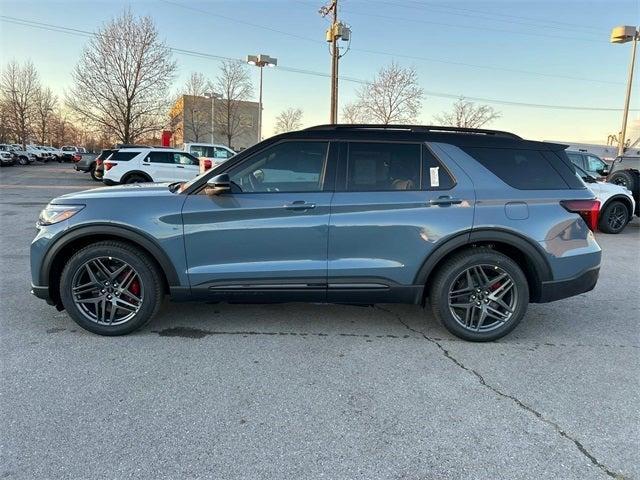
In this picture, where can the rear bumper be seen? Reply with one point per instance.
(82, 168)
(557, 290)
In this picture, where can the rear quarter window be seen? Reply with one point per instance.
(123, 156)
(520, 168)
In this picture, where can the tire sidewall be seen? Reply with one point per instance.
(148, 277)
(449, 275)
(628, 178)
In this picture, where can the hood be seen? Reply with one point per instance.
(131, 190)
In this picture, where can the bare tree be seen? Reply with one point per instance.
(46, 101)
(394, 96)
(19, 86)
(6, 133)
(352, 113)
(288, 120)
(196, 121)
(234, 84)
(122, 80)
(467, 114)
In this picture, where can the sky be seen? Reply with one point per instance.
(550, 53)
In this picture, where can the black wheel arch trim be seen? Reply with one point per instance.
(622, 198)
(123, 232)
(533, 252)
(135, 172)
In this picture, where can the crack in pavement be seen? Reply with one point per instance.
(519, 403)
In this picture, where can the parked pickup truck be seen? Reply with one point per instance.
(72, 153)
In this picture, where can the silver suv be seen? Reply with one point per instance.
(477, 223)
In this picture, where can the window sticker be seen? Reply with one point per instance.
(435, 176)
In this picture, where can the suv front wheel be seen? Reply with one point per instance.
(111, 288)
(479, 295)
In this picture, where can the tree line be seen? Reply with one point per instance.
(121, 93)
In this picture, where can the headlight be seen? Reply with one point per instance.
(57, 213)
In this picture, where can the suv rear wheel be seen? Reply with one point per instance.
(136, 178)
(479, 295)
(111, 288)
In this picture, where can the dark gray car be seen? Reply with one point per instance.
(478, 223)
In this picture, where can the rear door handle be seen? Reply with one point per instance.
(299, 205)
(179, 166)
(145, 164)
(445, 200)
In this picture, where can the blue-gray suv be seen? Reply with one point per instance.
(477, 223)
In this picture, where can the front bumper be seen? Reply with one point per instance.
(42, 292)
(581, 283)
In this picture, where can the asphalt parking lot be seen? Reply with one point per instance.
(313, 391)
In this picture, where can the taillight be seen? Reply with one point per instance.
(587, 209)
(108, 166)
(207, 164)
(77, 158)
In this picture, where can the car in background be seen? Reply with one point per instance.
(41, 154)
(625, 171)
(56, 153)
(617, 205)
(592, 164)
(7, 158)
(149, 164)
(22, 156)
(211, 154)
(93, 165)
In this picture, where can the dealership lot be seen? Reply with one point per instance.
(308, 391)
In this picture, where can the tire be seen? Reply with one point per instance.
(614, 217)
(502, 279)
(623, 178)
(136, 178)
(96, 312)
(94, 175)
(23, 160)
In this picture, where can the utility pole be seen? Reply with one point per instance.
(624, 34)
(336, 31)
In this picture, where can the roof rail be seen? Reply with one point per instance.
(412, 128)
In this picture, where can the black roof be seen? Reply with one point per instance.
(465, 137)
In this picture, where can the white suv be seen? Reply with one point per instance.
(616, 202)
(135, 165)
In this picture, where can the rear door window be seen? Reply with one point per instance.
(159, 157)
(522, 169)
(379, 166)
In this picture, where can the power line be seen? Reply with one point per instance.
(401, 55)
(543, 21)
(85, 33)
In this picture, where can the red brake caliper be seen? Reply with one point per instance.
(135, 287)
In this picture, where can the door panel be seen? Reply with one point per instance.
(378, 240)
(260, 245)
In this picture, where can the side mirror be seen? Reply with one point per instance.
(218, 184)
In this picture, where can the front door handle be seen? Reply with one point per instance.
(445, 200)
(299, 205)
(179, 166)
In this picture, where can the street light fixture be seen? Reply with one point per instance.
(213, 96)
(261, 61)
(624, 34)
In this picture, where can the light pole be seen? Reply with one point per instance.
(261, 61)
(213, 96)
(624, 34)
